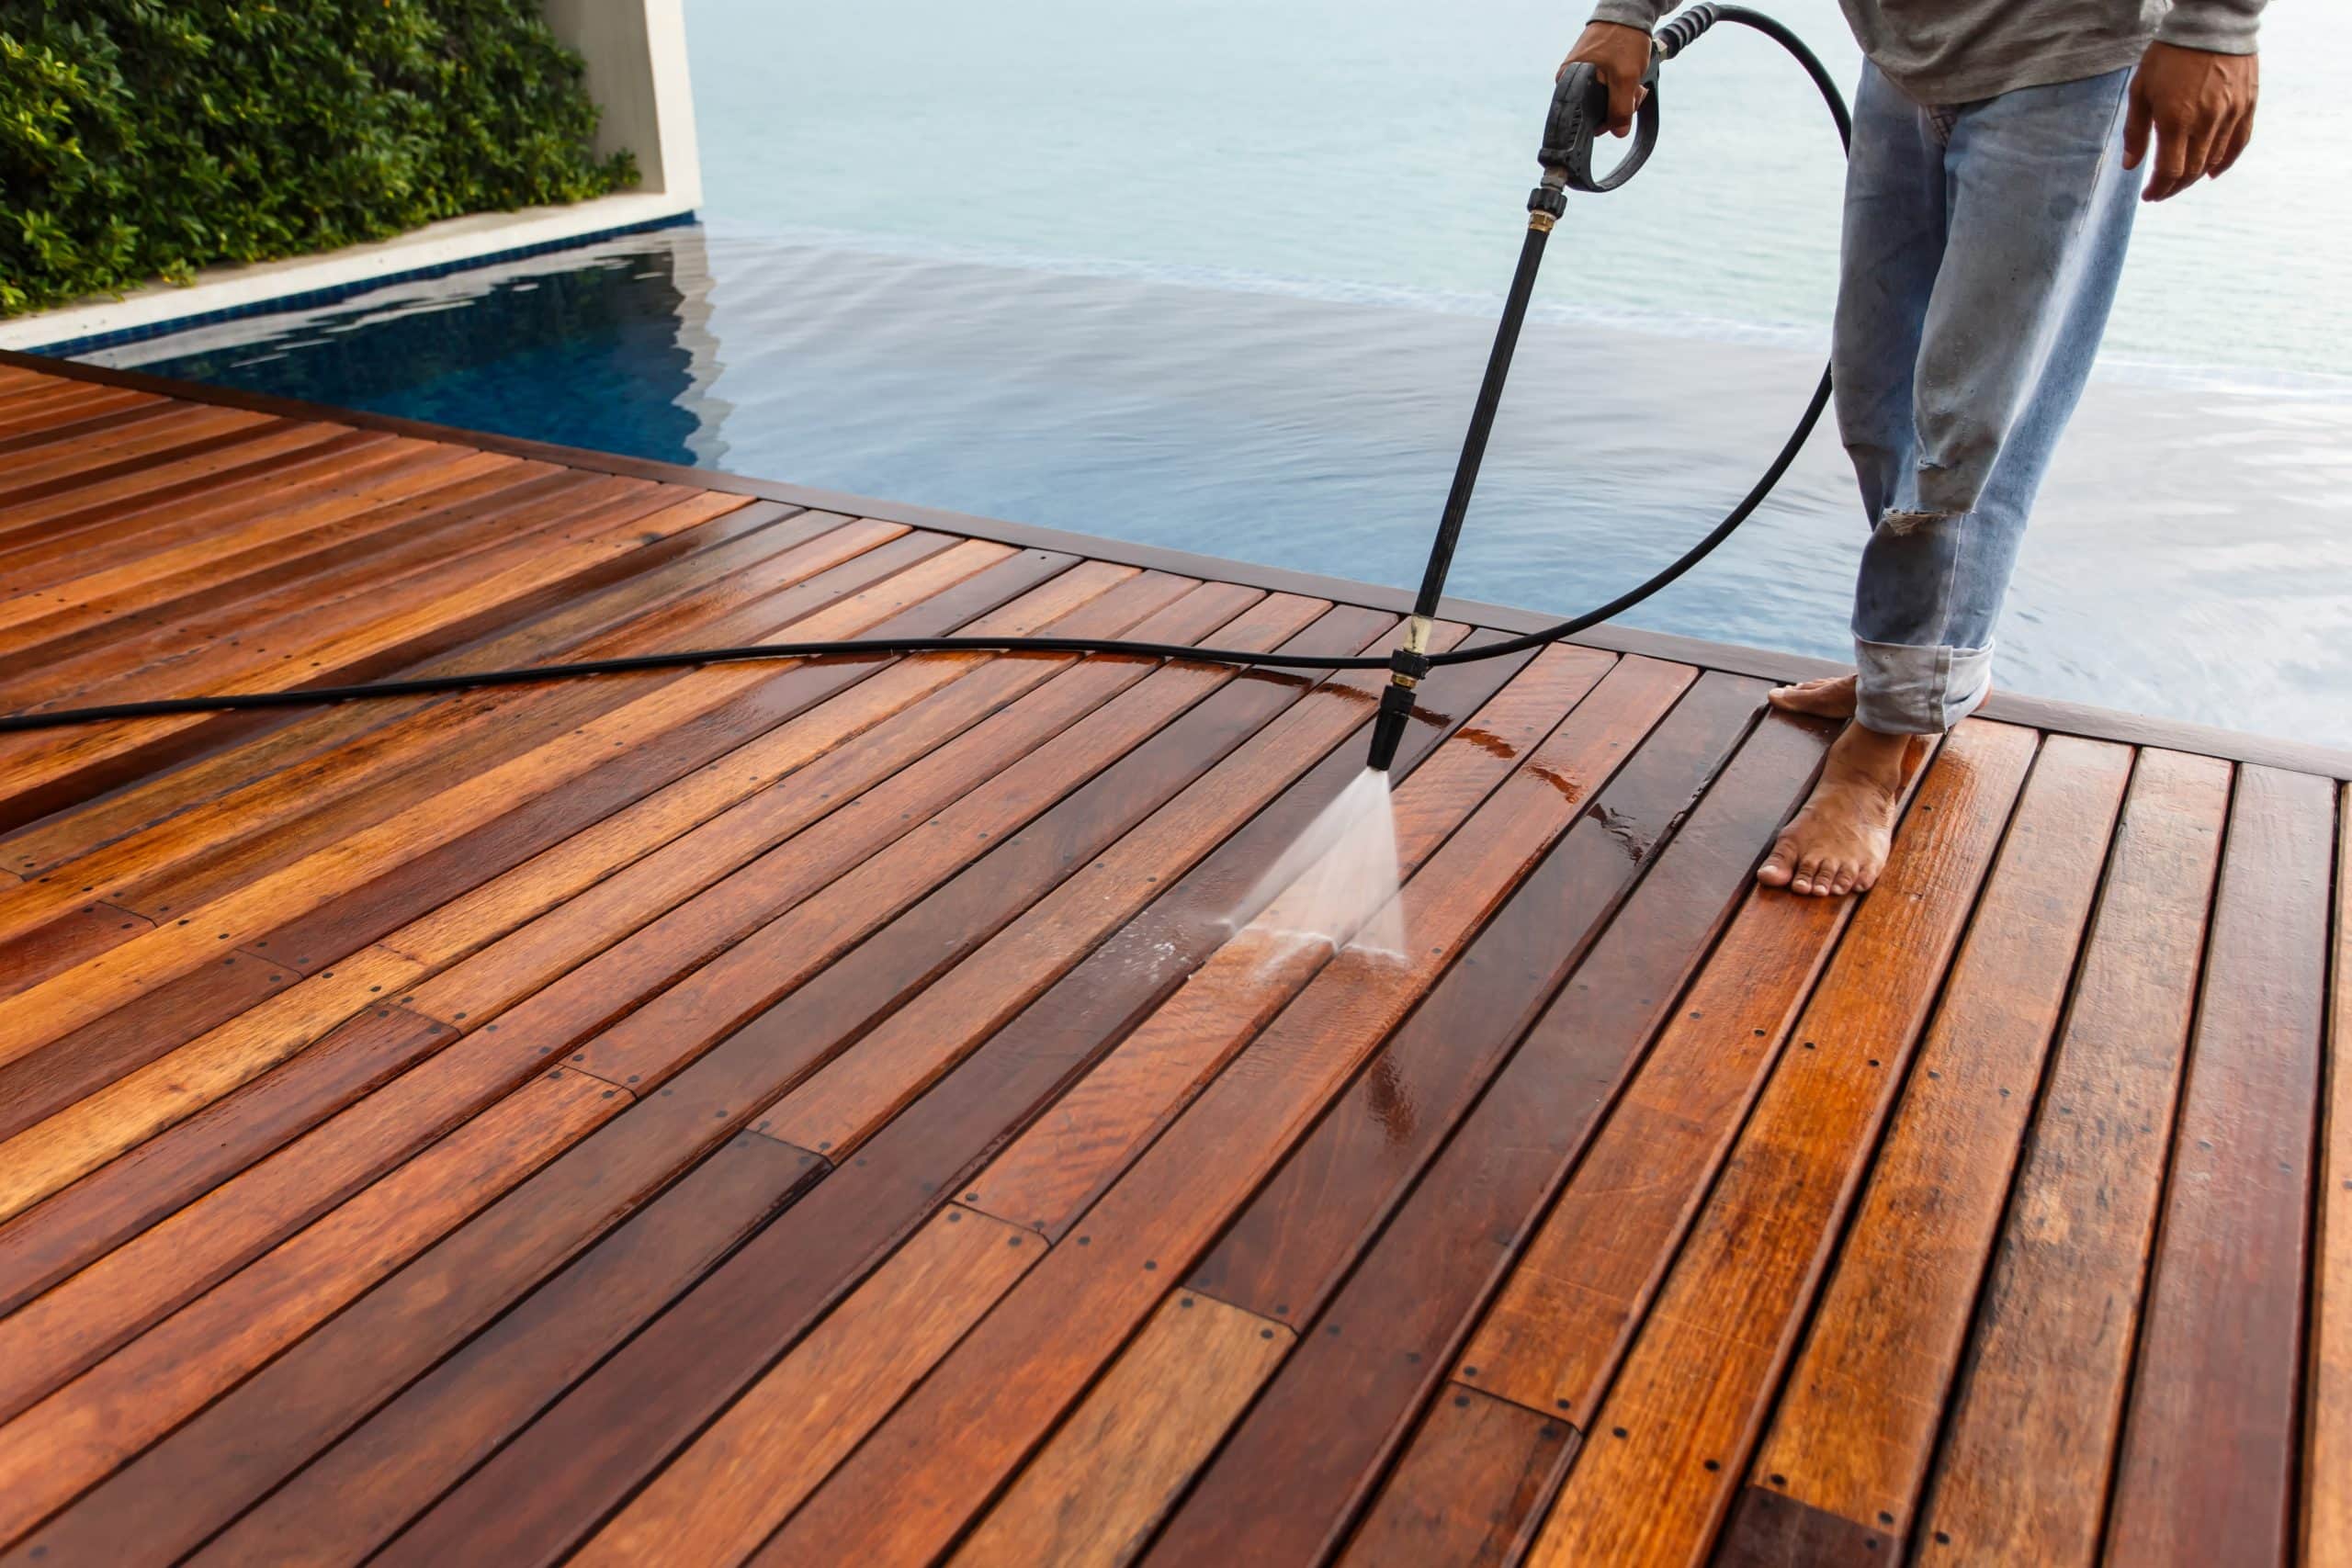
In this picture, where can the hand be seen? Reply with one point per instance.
(1620, 58)
(2201, 107)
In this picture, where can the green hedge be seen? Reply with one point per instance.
(144, 139)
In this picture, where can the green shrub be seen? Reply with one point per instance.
(144, 139)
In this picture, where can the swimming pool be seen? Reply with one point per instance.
(2187, 558)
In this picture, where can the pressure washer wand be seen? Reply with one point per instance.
(1579, 108)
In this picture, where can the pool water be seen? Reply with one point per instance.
(1030, 265)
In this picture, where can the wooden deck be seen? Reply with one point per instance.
(812, 1114)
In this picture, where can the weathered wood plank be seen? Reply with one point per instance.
(717, 1501)
(77, 1435)
(1469, 1488)
(1380, 1345)
(1097, 1490)
(1858, 1418)
(94, 417)
(1694, 1382)
(2024, 1467)
(1066, 1321)
(2207, 1469)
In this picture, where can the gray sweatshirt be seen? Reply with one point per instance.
(1956, 51)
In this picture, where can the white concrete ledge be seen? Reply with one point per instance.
(450, 243)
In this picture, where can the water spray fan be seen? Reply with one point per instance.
(1579, 109)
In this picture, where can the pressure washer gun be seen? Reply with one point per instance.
(1579, 110)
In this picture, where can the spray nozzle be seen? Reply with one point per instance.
(1407, 667)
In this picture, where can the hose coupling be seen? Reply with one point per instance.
(1406, 666)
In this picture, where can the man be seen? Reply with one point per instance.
(1988, 201)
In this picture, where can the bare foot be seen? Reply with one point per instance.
(1838, 842)
(1832, 696)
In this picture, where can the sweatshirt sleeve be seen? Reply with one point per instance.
(1645, 14)
(2219, 26)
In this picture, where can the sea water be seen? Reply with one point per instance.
(1337, 885)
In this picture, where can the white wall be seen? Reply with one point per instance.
(636, 52)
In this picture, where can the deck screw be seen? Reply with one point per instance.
(1711, 1465)
(1885, 1518)
(1616, 1431)
(1461, 1400)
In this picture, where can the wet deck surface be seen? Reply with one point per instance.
(820, 1113)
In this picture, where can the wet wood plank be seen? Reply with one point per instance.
(1469, 1488)
(2327, 1462)
(1857, 1420)
(2025, 1464)
(1693, 1386)
(2207, 1469)
(1066, 1320)
(620, 1425)
(1375, 1350)
(323, 1238)
(1106, 1479)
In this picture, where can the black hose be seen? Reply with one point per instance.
(1672, 39)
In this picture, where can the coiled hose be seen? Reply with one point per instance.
(1581, 103)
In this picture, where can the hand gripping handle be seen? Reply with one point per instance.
(1580, 112)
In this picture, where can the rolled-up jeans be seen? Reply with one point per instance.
(1982, 242)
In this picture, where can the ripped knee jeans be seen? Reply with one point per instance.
(1981, 250)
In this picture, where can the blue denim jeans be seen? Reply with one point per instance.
(1982, 242)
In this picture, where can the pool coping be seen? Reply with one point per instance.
(303, 282)
(2043, 713)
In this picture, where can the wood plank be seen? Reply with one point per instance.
(35, 513)
(76, 1436)
(366, 1486)
(384, 762)
(417, 1106)
(1133, 754)
(2327, 1451)
(80, 932)
(41, 774)
(375, 1133)
(1067, 1319)
(2025, 1462)
(594, 621)
(30, 477)
(726, 1491)
(620, 1425)
(1381, 1341)
(1044, 1177)
(269, 909)
(105, 1209)
(2207, 1469)
(1098, 1488)
(1572, 1298)
(1469, 1487)
(550, 915)
(1695, 1381)
(1856, 1419)
(173, 1009)
(413, 1320)
(1299, 1236)
(362, 1488)
(60, 1149)
(101, 536)
(1049, 1175)
(93, 417)
(190, 1160)
(85, 645)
